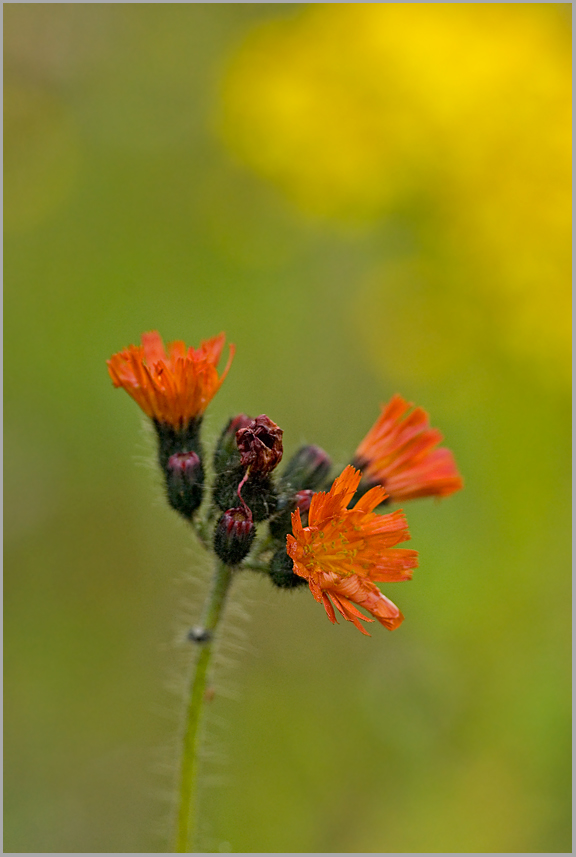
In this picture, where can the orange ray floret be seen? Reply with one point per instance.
(342, 552)
(173, 387)
(400, 452)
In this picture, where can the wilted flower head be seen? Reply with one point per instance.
(400, 452)
(171, 388)
(343, 552)
(260, 445)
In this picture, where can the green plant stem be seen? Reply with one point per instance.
(186, 820)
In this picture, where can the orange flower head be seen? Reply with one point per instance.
(401, 453)
(171, 388)
(343, 552)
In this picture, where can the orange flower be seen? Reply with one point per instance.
(399, 452)
(171, 388)
(342, 552)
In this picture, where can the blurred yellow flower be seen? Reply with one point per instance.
(458, 113)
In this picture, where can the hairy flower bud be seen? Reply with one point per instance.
(258, 494)
(234, 535)
(260, 445)
(226, 454)
(308, 468)
(282, 571)
(184, 482)
(281, 522)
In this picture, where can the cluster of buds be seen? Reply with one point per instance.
(246, 456)
(331, 540)
(248, 462)
(244, 489)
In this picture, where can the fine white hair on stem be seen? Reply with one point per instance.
(232, 646)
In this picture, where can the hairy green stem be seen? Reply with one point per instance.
(186, 820)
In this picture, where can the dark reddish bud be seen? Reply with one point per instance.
(308, 468)
(303, 500)
(226, 454)
(234, 535)
(260, 445)
(184, 482)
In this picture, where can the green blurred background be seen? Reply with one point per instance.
(368, 199)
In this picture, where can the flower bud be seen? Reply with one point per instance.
(303, 501)
(258, 494)
(226, 454)
(282, 571)
(234, 535)
(184, 482)
(308, 468)
(281, 523)
(260, 445)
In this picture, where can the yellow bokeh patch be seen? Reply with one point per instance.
(458, 114)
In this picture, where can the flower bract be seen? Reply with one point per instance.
(171, 386)
(343, 552)
(401, 453)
